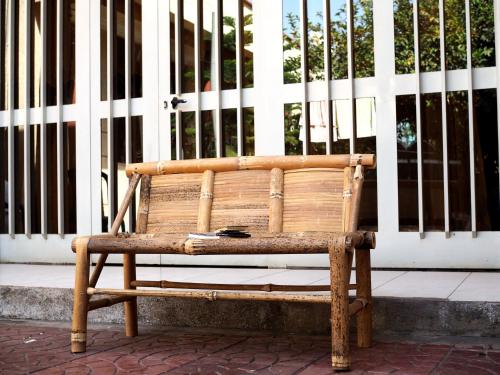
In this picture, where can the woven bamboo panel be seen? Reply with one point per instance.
(241, 198)
(173, 203)
(313, 200)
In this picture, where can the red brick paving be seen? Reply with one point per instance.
(29, 347)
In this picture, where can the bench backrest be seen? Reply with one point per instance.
(267, 194)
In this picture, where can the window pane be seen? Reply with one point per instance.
(105, 176)
(136, 49)
(172, 13)
(51, 51)
(229, 133)
(51, 158)
(291, 41)
(293, 143)
(486, 160)
(19, 54)
(428, 25)
(118, 169)
(315, 43)
(318, 127)
(248, 132)
(338, 35)
(187, 46)
(19, 178)
(35, 53)
(342, 126)
(35, 178)
(3, 57)
(4, 181)
(366, 143)
(136, 131)
(482, 33)
(229, 14)
(68, 52)
(208, 134)
(173, 137)
(364, 60)
(248, 46)
(458, 161)
(403, 36)
(188, 135)
(432, 159)
(118, 49)
(69, 182)
(456, 44)
(207, 43)
(406, 136)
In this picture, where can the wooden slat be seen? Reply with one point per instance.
(206, 198)
(241, 198)
(251, 163)
(276, 201)
(312, 200)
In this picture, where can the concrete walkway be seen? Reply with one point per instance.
(452, 286)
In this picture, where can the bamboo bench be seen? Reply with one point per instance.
(291, 205)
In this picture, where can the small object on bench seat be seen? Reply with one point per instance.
(289, 205)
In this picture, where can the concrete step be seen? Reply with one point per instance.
(413, 316)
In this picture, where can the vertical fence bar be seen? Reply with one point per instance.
(496, 5)
(239, 30)
(129, 23)
(218, 78)
(304, 69)
(128, 41)
(198, 29)
(10, 102)
(470, 102)
(442, 51)
(178, 79)
(418, 114)
(165, 79)
(110, 93)
(27, 128)
(351, 73)
(43, 125)
(240, 45)
(60, 130)
(327, 65)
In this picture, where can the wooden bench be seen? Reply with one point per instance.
(291, 205)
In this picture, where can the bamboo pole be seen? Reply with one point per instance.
(206, 198)
(130, 307)
(143, 211)
(279, 243)
(363, 268)
(80, 300)
(276, 201)
(339, 280)
(364, 290)
(250, 162)
(165, 284)
(134, 180)
(106, 302)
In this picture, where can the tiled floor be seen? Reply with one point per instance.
(41, 348)
(456, 286)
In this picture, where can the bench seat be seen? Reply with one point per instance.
(289, 205)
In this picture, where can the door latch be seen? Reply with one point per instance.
(176, 101)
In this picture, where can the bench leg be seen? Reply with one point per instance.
(130, 307)
(339, 281)
(364, 291)
(80, 302)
